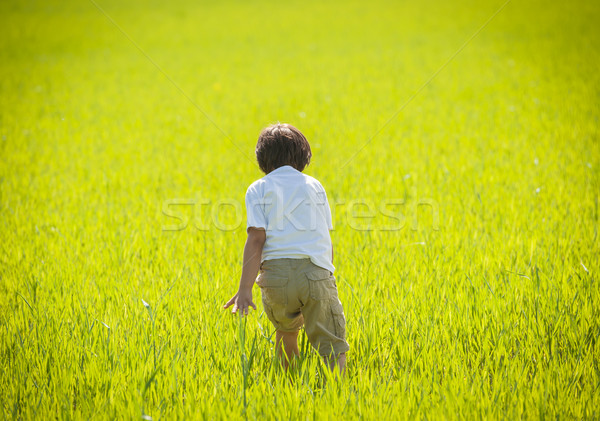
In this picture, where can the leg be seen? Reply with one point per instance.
(339, 362)
(289, 340)
(324, 320)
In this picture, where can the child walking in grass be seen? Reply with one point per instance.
(289, 243)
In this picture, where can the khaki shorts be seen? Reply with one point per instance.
(297, 292)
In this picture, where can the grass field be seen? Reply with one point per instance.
(466, 230)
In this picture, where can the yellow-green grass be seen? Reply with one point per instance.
(481, 301)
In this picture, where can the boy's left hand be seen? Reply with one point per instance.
(241, 301)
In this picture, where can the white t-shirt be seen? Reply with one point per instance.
(293, 209)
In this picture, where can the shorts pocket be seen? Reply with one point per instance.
(274, 289)
(321, 284)
(338, 311)
(339, 319)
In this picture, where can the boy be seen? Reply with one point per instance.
(288, 241)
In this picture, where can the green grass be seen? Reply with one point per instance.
(492, 312)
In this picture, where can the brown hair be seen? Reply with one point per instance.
(282, 144)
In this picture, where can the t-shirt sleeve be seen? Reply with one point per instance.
(255, 211)
(328, 214)
(326, 209)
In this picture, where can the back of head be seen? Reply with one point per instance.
(282, 144)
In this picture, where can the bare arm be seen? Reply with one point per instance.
(242, 300)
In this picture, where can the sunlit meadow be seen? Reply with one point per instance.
(465, 206)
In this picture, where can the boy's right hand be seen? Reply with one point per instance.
(241, 301)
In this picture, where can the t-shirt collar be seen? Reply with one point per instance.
(285, 168)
